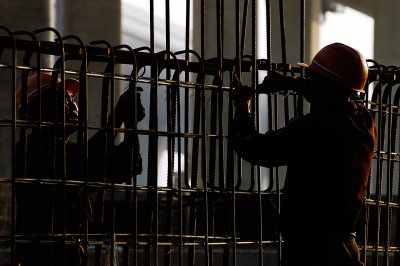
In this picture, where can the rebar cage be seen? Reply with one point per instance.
(204, 206)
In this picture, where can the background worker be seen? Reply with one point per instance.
(328, 153)
(48, 153)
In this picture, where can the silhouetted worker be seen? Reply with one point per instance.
(47, 153)
(328, 154)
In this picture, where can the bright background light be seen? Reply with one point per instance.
(350, 27)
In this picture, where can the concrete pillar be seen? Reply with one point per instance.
(25, 15)
(387, 27)
(92, 20)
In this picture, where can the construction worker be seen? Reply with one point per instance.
(47, 153)
(328, 153)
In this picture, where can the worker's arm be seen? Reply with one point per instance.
(127, 158)
(277, 82)
(275, 147)
(268, 150)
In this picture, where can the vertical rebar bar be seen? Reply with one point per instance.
(379, 167)
(204, 137)
(186, 96)
(13, 142)
(82, 137)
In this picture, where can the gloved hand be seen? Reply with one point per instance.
(276, 82)
(129, 160)
(124, 108)
(241, 98)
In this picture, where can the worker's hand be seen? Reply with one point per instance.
(242, 96)
(276, 82)
(124, 109)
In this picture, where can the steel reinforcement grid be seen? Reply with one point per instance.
(203, 205)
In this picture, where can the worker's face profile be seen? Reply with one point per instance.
(312, 87)
(71, 109)
(71, 113)
(53, 109)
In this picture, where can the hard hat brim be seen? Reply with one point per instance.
(302, 64)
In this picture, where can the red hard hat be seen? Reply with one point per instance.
(71, 85)
(341, 64)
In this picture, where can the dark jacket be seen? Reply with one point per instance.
(328, 154)
(45, 158)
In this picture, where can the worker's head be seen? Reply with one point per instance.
(51, 99)
(337, 71)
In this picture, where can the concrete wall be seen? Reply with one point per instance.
(91, 20)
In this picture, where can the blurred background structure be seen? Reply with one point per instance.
(199, 196)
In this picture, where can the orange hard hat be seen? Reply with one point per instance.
(71, 85)
(341, 64)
